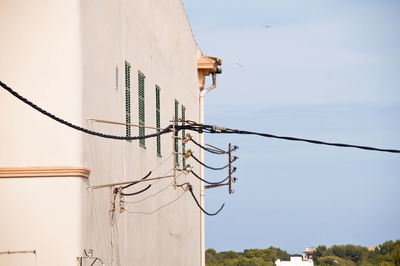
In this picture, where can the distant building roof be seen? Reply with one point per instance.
(309, 251)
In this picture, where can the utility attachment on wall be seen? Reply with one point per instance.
(89, 256)
(231, 170)
(188, 187)
(128, 182)
(186, 169)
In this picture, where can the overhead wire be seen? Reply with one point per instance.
(76, 127)
(152, 195)
(162, 162)
(221, 130)
(190, 126)
(208, 182)
(135, 193)
(155, 194)
(207, 166)
(190, 187)
(214, 150)
(135, 182)
(159, 165)
(159, 208)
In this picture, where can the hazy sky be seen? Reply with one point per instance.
(328, 70)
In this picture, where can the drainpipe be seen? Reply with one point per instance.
(202, 224)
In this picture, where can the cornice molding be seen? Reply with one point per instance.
(53, 171)
(205, 66)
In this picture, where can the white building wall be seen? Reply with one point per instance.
(295, 261)
(40, 57)
(62, 55)
(156, 39)
(41, 214)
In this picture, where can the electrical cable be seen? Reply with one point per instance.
(209, 167)
(159, 208)
(191, 126)
(208, 182)
(214, 151)
(116, 190)
(135, 193)
(79, 128)
(134, 183)
(150, 196)
(220, 130)
(198, 205)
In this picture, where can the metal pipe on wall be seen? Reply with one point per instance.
(201, 119)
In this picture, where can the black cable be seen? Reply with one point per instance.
(94, 261)
(197, 127)
(211, 183)
(207, 149)
(209, 167)
(134, 183)
(198, 205)
(216, 130)
(135, 193)
(87, 131)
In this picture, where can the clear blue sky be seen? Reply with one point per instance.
(328, 70)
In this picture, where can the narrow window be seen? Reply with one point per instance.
(183, 137)
(141, 78)
(176, 136)
(158, 124)
(128, 98)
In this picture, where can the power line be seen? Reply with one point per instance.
(150, 196)
(135, 193)
(208, 182)
(191, 126)
(209, 167)
(221, 130)
(134, 183)
(159, 208)
(79, 128)
(197, 203)
(120, 189)
(213, 149)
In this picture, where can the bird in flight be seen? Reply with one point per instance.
(267, 26)
(239, 65)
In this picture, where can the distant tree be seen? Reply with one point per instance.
(386, 247)
(387, 254)
(334, 260)
(396, 256)
(319, 252)
(211, 255)
(227, 255)
(243, 261)
(351, 252)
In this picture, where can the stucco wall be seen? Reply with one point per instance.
(62, 55)
(41, 214)
(40, 57)
(156, 39)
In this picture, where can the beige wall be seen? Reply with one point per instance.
(155, 38)
(41, 58)
(41, 214)
(62, 55)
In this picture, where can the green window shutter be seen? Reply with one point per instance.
(141, 78)
(128, 97)
(176, 139)
(183, 137)
(158, 118)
